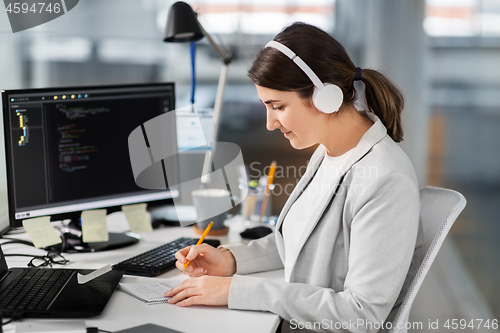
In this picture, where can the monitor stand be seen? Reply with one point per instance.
(73, 243)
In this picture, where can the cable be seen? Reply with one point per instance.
(14, 231)
(7, 322)
(193, 71)
(16, 241)
(15, 317)
(53, 250)
(21, 255)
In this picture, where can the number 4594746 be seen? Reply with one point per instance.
(36, 8)
(454, 324)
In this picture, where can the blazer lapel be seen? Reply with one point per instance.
(374, 134)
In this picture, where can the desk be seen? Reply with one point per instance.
(123, 311)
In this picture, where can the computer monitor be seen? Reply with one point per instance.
(67, 148)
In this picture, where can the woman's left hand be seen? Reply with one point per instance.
(203, 290)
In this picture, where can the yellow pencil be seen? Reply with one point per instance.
(270, 179)
(200, 240)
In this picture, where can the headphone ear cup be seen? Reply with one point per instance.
(328, 99)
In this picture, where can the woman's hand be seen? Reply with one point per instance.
(204, 290)
(206, 259)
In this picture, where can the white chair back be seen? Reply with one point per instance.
(439, 209)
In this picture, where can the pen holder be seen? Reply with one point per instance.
(253, 204)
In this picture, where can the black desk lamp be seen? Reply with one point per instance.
(183, 26)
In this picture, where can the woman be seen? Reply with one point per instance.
(349, 235)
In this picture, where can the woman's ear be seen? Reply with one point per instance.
(308, 101)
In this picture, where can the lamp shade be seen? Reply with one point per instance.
(182, 24)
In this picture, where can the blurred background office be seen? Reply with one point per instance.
(444, 54)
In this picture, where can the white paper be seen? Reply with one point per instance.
(41, 232)
(149, 292)
(137, 218)
(94, 227)
(82, 279)
(194, 129)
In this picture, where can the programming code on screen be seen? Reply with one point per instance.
(73, 146)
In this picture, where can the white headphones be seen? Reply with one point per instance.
(327, 97)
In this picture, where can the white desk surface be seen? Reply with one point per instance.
(124, 311)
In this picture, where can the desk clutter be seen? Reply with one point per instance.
(124, 313)
(90, 230)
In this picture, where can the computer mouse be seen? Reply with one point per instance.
(256, 232)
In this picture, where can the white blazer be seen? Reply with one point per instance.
(359, 251)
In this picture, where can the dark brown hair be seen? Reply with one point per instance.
(331, 63)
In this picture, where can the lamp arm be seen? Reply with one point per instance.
(219, 97)
(224, 54)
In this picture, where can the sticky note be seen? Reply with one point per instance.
(41, 232)
(94, 227)
(137, 218)
(92, 275)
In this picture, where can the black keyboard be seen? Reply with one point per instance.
(160, 259)
(34, 289)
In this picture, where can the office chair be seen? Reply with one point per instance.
(439, 209)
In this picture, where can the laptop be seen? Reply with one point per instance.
(22, 294)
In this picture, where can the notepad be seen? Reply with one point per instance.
(149, 292)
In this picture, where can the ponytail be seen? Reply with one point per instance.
(385, 100)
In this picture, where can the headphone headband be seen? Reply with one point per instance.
(326, 97)
(296, 59)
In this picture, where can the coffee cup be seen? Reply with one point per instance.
(211, 206)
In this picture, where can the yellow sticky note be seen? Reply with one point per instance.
(41, 232)
(94, 227)
(137, 218)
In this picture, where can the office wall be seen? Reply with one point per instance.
(465, 103)
(388, 36)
